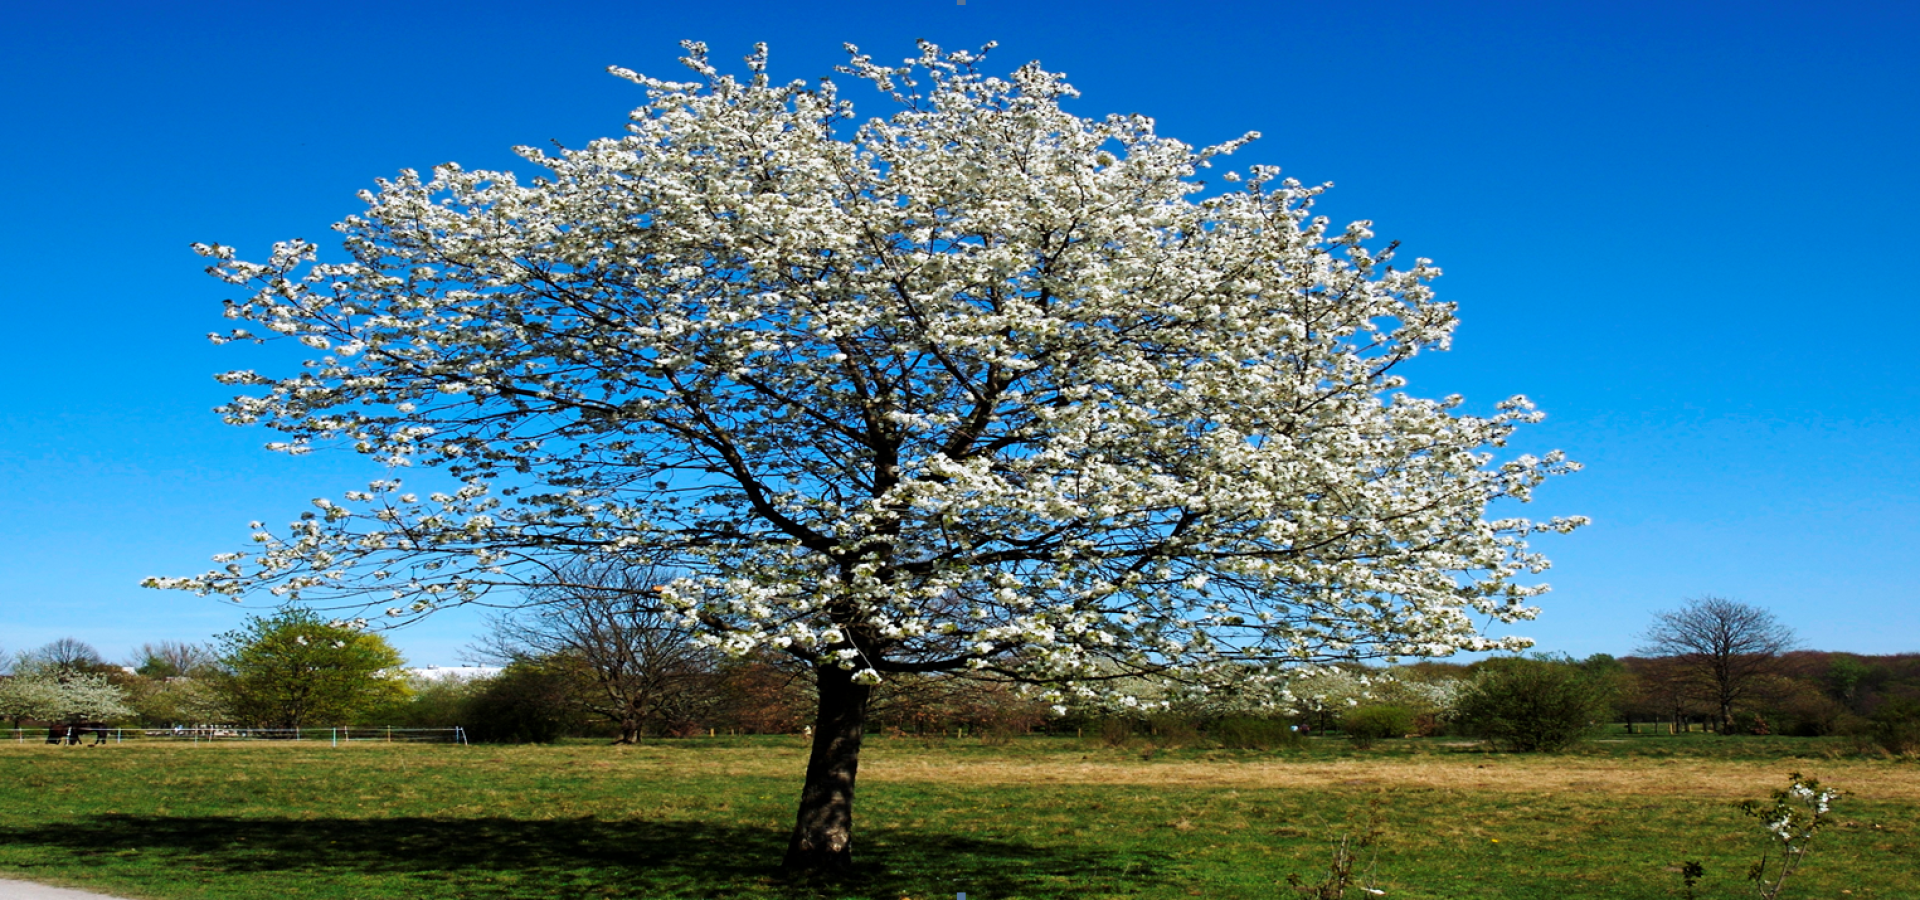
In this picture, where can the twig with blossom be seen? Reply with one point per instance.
(1797, 812)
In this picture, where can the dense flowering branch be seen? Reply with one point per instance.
(983, 384)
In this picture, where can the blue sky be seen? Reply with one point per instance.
(1683, 229)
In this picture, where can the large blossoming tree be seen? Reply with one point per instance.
(50, 694)
(982, 386)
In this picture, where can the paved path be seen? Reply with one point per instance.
(27, 890)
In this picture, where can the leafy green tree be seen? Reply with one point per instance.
(431, 702)
(181, 700)
(295, 670)
(1849, 679)
(1368, 724)
(1531, 704)
(1611, 677)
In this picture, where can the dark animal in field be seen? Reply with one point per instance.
(72, 732)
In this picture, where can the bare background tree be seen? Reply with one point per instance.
(66, 656)
(644, 670)
(1725, 649)
(174, 659)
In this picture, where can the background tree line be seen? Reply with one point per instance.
(580, 662)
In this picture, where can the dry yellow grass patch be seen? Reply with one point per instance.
(1517, 774)
(1730, 780)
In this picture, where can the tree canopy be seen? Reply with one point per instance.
(294, 670)
(981, 385)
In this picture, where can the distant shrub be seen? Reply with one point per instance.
(1116, 731)
(1532, 704)
(1367, 724)
(1809, 714)
(1252, 733)
(525, 704)
(1173, 730)
(1163, 730)
(1797, 707)
(1895, 726)
(431, 703)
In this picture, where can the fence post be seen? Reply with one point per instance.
(336, 737)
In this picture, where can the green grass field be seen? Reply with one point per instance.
(1031, 818)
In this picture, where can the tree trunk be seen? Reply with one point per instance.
(822, 841)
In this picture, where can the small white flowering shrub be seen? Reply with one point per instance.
(1796, 814)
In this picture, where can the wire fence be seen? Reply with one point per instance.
(223, 734)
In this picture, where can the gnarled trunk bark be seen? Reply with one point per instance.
(822, 841)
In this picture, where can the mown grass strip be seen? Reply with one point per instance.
(1042, 818)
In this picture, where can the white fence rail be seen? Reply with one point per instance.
(211, 733)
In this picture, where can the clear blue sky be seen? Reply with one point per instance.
(1686, 230)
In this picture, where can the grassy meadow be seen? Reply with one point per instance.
(1033, 817)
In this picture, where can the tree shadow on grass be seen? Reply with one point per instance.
(573, 859)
